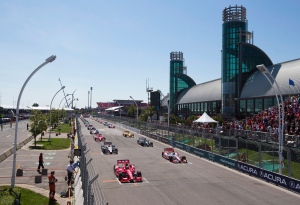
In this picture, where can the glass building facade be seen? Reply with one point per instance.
(239, 57)
(176, 67)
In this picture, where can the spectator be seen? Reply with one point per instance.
(70, 170)
(52, 181)
(41, 162)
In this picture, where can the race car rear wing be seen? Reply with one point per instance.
(107, 143)
(123, 161)
(169, 149)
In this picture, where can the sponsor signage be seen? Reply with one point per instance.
(164, 140)
(277, 179)
(199, 152)
(179, 145)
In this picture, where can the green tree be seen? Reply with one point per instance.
(131, 111)
(147, 112)
(38, 123)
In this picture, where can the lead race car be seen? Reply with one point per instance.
(172, 156)
(126, 172)
(143, 141)
(109, 148)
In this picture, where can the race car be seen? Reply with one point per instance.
(92, 130)
(126, 172)
(127, 133)
(99, 137)
(172, 156)
(111, 126)
(144, 142)
(90, 126)
(109, 148)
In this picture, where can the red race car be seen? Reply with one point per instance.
(126, 172)
(99, 137)
(172, 156)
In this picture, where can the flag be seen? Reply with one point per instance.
(291, 82)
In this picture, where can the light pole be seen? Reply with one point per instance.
(91, 100)
(63, 87)
(88, 100)
(72, 102)
(13, 177)
(119, 110)
(262, 68)
(137, 109)
(72, 98)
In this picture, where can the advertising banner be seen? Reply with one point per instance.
(272, 177)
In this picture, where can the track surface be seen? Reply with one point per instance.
(198, 182)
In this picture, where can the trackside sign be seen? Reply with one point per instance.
(272, 177)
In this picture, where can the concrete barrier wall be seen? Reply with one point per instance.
(10, 151)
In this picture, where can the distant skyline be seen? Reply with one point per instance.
(116, 46)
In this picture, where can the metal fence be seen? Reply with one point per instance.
(256, 148)
(92, 191)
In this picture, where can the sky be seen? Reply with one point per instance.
(116, 46)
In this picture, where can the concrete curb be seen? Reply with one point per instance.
(10, 151)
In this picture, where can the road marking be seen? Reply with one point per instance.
(190, 163)
(119, 181)
(110, 180)
(145, 179)
(8, 136)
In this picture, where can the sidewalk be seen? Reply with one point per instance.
(56, 160)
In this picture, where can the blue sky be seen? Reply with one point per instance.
(115, 46)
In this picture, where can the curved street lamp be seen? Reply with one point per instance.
(262, 68)
(48, 60)
(63, 87)
(137, 109)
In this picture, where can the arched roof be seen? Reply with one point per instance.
(257, 85)
(187, 79)
(208, 91)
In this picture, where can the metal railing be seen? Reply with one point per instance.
(92, 191)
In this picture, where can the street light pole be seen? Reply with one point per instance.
(72, 98)
(137, 109)
(63, 87)
(88, 100)
(262, 68)
(119, 110)
(91, 100)
(48, 60)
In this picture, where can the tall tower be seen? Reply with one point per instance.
(234, 32)
(148, 90)
(176, 67)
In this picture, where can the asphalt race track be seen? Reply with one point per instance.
(197, 182)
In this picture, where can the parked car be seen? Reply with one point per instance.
(126, 172)
(172, 156)
(109, 148)
(127, 133)
(143, 141)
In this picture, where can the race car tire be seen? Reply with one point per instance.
(170, 158)
(151, 144)
(183, 159)
(120, 176)
(162, 155)
(139, 174)
(116, 151)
